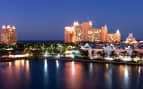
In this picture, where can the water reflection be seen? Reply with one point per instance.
(22, 74)
(139, 69)
(73, 68)
(45, 73)
(10, 65)
(108, 76)
(126, 77)
(139, 76)
(73, 75)
(45, 66)
(126, 73)
(27, 65)
(107, 66)
(57, 64)
(91, 68)
(12, 75)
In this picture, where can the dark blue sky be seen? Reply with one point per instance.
(45, 19)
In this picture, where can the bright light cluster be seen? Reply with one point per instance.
(8, 27)
(69, 28)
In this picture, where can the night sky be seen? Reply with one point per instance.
(45, 19)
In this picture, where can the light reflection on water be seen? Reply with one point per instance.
(45, 66)
(45, 73)
(57, 64)
(23, 74)
(11, 74)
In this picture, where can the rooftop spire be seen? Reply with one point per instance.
(3, 27)
(8, 26)
(118, 31)
(90, 23)
(76, 23)
(130, 35)
(13, 27)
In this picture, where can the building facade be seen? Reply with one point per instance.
(8, 35)
(85, 32)
(115, 37)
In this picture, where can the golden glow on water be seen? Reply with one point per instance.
(10, 64)
(124, 75)
(27, 65)
(22, 65)
(69, 75)
(13, 72)
(23, 62)
(73, 75)
(73, 67)
(107, 66)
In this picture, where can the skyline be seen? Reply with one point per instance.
(46, 18)
(79, 32)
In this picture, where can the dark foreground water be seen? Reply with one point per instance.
(24, 74)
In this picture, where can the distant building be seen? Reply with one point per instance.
(8, 35)
(85, 32)
(130, 39)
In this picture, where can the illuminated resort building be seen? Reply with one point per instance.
(8, 35)
(130, 39)
(84, 32)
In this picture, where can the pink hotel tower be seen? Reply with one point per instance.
(84, 32)
(8, 34)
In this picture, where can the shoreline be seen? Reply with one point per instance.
(76, 60)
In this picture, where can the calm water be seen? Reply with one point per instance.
(24, 74)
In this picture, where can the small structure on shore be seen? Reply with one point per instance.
(108, 50)
(129, 51)
(130, 39)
